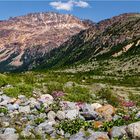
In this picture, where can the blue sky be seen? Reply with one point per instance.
(84, 9)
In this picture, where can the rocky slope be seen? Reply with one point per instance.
(31, 36)
(115, 39)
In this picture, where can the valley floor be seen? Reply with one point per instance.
(58, 105)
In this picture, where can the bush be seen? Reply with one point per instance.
(73, 126)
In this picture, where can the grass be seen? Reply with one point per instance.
(47, 82)
(78, 94)
(19, 89)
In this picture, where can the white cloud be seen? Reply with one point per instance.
(68, 6)
(82, 4)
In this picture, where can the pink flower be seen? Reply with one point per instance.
(58, 94)
(128, 103)
(126, 118)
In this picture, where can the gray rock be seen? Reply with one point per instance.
(133, 130)
(5, 124)
(9, 137)
(1, 92)
(4, 103)
(9, 131)
(118, 132)
(46, 99)
(51, 116)
(87, 108)
(49, 129)
(22, 97)
(90, 115)
(25, 133)
(24, 109)
(61, 115)
(11, 107)
(1, 114)
(97, 135)
(138, 115)
(116, 117)
(71, 114)
(66, 105)
(78, 136)
(69, 84)
(46, 127)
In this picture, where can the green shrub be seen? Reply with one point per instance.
(73, 126)
(3, 110)
(39, 121)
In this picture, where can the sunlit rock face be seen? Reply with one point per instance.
(27, 37)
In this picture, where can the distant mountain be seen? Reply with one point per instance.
(112, 45)
(27, 38)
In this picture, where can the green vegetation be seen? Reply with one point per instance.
(73, 126)
(107, 95)
(3, 110)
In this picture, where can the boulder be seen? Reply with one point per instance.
(133, 130)
(106, 111)
(118, 132)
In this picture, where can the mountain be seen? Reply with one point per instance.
(27, 38)
(110, 46)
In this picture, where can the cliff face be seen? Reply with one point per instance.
(33, 35)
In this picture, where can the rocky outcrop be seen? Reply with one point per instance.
(25, 38)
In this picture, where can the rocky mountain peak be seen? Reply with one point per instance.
(43, 30)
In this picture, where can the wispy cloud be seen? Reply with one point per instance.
(69, 5)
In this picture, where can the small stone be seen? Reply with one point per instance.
(51, 115)
(90, 116)
(78, 136)
(25, 109)
(138, 115)
(99, 136)
(25, 133)
(96, 106)
(5, 124)
(46, 98)
(12, 107)
(61, 115)
(9, 131)
(71, 114)
(49, 129)
(4, 103)
(9, 137)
